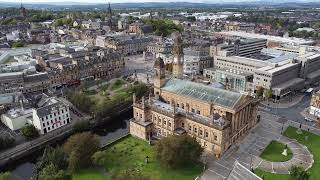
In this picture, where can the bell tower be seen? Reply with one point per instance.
(178, 59)
(159, 75)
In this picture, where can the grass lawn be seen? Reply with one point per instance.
(313, 144)
(130, 153)
(118, 84)
(273, 152)
(271, 176)
(89, 174)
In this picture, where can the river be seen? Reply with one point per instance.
(107, 132)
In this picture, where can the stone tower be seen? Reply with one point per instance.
(178, 59)
(159, 75)
(23, 11)
(109, 15)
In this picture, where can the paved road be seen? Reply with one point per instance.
(292, 113)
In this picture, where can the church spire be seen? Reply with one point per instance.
(23, 11)
(109, 15)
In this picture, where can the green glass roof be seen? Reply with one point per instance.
(202, 92)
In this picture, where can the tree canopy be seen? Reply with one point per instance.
(178, 151)
(29, 131)
(6, 142)
(80, 148)
(8, 176)
(50, 172)
(298, 173)
(53, 156)
(163, 27)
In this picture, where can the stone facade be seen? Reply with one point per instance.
(216, 117)
(315, 105)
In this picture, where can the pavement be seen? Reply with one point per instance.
(290, 111)
(248, 150)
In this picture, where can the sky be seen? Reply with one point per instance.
(103, 1)
(125, 1)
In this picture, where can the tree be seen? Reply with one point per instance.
(81, 126)
(163, 27)
(139, 89)
(98, 158)
(50, 172)
(81, 101)
(29, 131)
(177, 151)
(6, 142)
(268, 93)
(17, 44)
(259, 91)
(8, 176)
(191, 18)
(298, 173)
(80, 148)
(54, 156)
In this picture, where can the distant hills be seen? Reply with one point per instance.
(203, 4)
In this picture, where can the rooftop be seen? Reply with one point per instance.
(202, 92)
(297, 41)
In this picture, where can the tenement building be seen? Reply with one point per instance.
(217, 118)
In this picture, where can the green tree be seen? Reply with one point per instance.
(50, 172)
(80, 148)
(29, 131)
(163, 27)
(99, 158)
(191, 18)
(268, 93)
(18, 44)
(81, 101)
(6, 142)
(139, 89)
(178, 151)
(298, 173)
(81, 126)
(8, 176)
(54, 156)
(259, 91)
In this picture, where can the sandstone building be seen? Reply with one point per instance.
(216, 117)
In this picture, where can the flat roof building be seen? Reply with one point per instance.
(277, 39)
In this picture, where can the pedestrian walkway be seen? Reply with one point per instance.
(301, 157)
(248, 150)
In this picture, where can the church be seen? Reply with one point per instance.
(217, 118)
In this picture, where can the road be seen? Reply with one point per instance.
(292, 113)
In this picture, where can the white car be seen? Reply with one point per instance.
(308, 119)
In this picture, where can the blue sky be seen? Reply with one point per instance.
(122, 1)
(111, 1)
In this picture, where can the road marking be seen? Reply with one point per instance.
(222, 165)
(217, 173)
(259, 163)
(272, 167)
